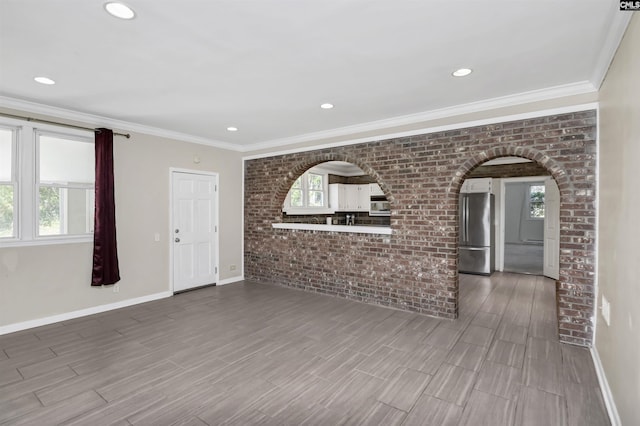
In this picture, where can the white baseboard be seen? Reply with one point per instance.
(25, 325)
(614, 417)
(19, 326)
(230, 280)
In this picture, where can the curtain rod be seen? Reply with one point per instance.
(37, 120)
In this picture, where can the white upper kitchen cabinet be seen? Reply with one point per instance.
(337, 198)
(349, 198)
(363, 198)
(375, 190)
(476, 185)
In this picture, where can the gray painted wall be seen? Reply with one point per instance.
(618, 343)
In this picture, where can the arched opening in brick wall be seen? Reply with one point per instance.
(541, 164)
(330, 165)
(515, 229)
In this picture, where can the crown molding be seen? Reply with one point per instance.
(100, 121)
(618, 27)
(566, 90)
(579, 88)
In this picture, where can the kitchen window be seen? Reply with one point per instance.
(46, 184)
(315, 190)
(536, 201)
(308, 194)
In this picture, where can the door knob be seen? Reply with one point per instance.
(177, 240)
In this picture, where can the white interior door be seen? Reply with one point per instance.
(194, 230)
(551, 266)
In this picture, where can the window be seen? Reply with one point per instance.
(536, 201)
(65, 185)
(7, 184)
(315, 190)
(308, 192)
(295, 193)
(46, 184)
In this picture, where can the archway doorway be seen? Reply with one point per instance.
(515, 301)
(521, 216)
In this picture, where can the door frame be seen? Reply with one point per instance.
(215, 210)
(500, 228)
(554, 272)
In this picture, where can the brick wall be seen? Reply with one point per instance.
(351, 180)
(509, 170)
(415, 269)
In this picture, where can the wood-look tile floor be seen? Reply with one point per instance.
(524, 258)
(249, 353)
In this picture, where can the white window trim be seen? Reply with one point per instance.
(25, 169)
(13, 180)
(91, 201)
(64, 210)
(287, 208)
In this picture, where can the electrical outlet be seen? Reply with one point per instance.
(232, 267)
(116, 288)
(606, 310)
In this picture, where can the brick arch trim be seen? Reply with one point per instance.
(281, 190)
(557, 172)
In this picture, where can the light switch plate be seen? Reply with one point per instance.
(606, 310)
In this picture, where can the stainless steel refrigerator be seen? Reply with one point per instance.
(476, 246)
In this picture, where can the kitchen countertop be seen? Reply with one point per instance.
(384, 230)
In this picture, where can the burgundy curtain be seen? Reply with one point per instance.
(105, 250)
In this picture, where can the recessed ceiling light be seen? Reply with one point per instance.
(462, 72)
(232, 129)
(326, 106)
(44, 80)
(119, 10)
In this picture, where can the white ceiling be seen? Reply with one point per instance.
(195, 67)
